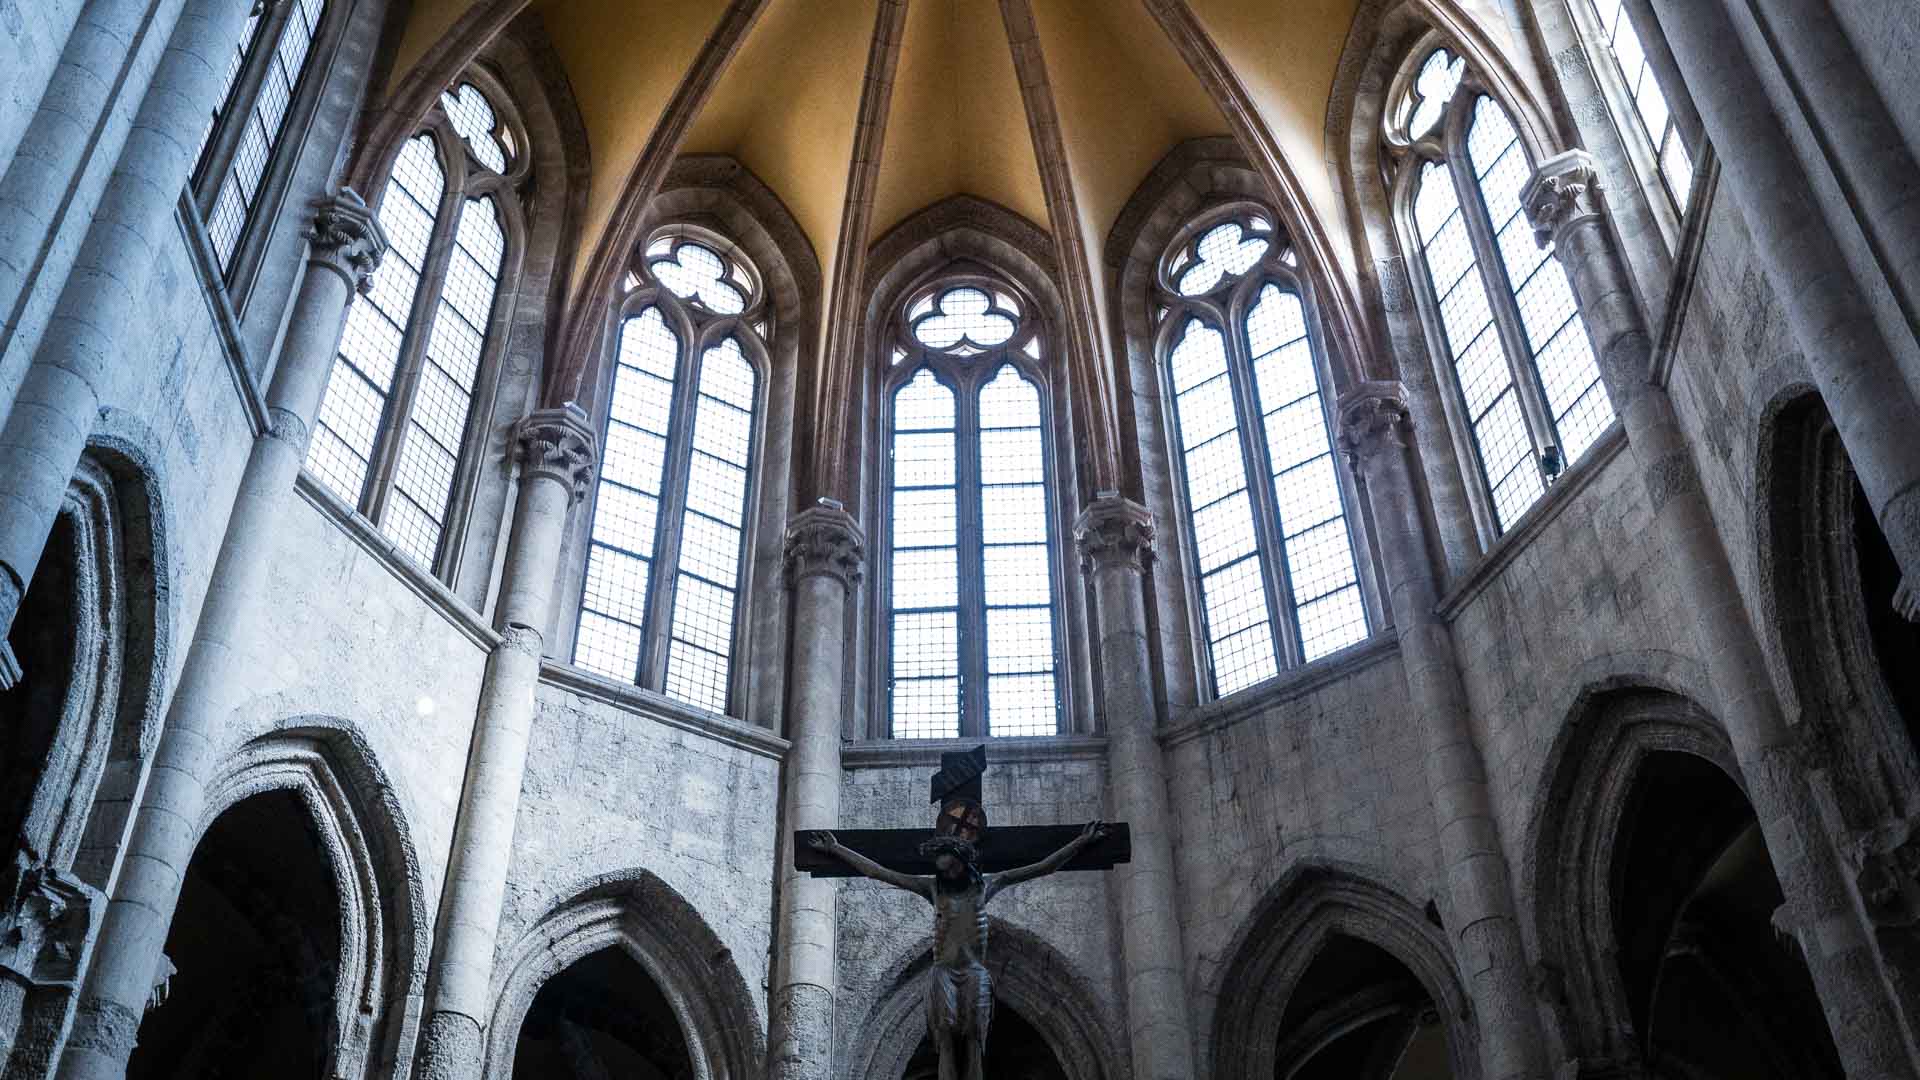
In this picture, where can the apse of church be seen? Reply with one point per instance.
(947, 539)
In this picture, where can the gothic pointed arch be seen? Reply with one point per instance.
(1047, 991)
(697, 366)
(81, 724)
(1655, 902)
(644, 918)
(480, 195)
(1228, 378)
(1264, 1006)
(971, 417)
(314, 778)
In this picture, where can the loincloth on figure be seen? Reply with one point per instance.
(959, 1002)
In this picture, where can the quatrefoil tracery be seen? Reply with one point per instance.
(1432, 89)
(1220, 254)
(695, 272)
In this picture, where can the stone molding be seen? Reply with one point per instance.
(825, 540)
(346, 238)
(1114, 532)
(1563, 193)
(557, 444)
(1373, 417)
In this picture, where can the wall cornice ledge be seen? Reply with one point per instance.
(925, 753)
(1686, 267)
(214, 290)
(655, 706)
(1213, 716)
(1534, 522)
(427, 587)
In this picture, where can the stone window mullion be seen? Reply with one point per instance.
(217, 158)
(658, 634)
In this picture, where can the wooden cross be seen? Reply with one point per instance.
(956, 788)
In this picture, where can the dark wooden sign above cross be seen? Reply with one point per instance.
(963, 814)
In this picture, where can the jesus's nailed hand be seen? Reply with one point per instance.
(1095, 832)
(822, 840)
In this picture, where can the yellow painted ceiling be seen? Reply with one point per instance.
(787, 103)
(957, 125)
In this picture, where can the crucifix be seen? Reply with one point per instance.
(958, 866)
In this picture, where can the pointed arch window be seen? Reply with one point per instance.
(1264, 504)
(1652, 116)
(1525, 394)
(256, 103)
(666, 564)
(398, 423)
(971, 634)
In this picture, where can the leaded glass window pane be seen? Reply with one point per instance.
(925, 586)
(626, 511)
(1018, 583)
(343, 440)
(478, 126)
(262, 121)
(1649, 103)
(1325, 585)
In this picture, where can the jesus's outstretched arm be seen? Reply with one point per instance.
(822, 840)
(1095, 832)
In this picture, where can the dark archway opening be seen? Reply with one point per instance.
(256, 944)
(1712, 989)
(1896, 642)
(1360, 1014)
(602, 1017)
(45, 639)
(1015, 1051)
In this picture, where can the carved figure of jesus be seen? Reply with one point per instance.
(959, 990)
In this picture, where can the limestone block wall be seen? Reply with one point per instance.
(1331, 772)
(610, 789)
(883, 930)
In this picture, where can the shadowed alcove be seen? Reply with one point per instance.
(1359, 1014)
(255, 947)
(1015, 1051)
(602, 1017)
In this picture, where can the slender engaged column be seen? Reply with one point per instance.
(825, 554)
(1374, 427)
(1116, 546)
(345, 245)
(1846, 351)
(1565, 206)
(55, 408)
(556, 451)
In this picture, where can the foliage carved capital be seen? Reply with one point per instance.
(557, 444)
(1373, 418)
(1564, 192)
(346, 238)
(824, 541)
(1114, 532)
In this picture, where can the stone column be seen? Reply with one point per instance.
(108, 292)
(556, 451)
(344, 246)
(1565, 206)
(1374, 427)
(1115, 537)
(825, 553)
(1847, 352)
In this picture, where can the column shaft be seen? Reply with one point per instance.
(1116, 542)
(824, 552)
(59, 397)
(1850, 358)
(346, 244)
(556, 451)
(1485, 927)
(1564, 205)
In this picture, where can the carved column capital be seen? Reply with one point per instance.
(1114, 532)
(1373, 418)
(824, 540)
(346, 238)
(557, 444)
(1563, 193)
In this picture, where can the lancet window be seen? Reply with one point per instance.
(1524, 395)
(398, 422)
(666, 563)
(971, 629)
(1263, 501)
(256, 104)
(1651, 115)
